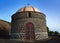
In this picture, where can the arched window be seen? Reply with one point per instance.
(29, 31)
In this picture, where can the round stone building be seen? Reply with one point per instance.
(28, 24)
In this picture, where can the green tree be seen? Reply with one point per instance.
(56, 33)
(47, 29)
(51, 33)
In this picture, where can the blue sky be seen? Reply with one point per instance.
(51, 8)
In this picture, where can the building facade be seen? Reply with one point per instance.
(28, 24)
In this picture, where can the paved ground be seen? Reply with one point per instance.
(53, 39)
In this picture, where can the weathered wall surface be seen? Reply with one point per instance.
(36, 18)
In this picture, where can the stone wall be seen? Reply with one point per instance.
(20, 19)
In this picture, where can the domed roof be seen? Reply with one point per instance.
(28, 8)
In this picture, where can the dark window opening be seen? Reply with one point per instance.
(29, 14)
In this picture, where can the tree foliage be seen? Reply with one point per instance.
(52, 32)
(47, 29)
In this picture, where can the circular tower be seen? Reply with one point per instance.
(28, 24)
